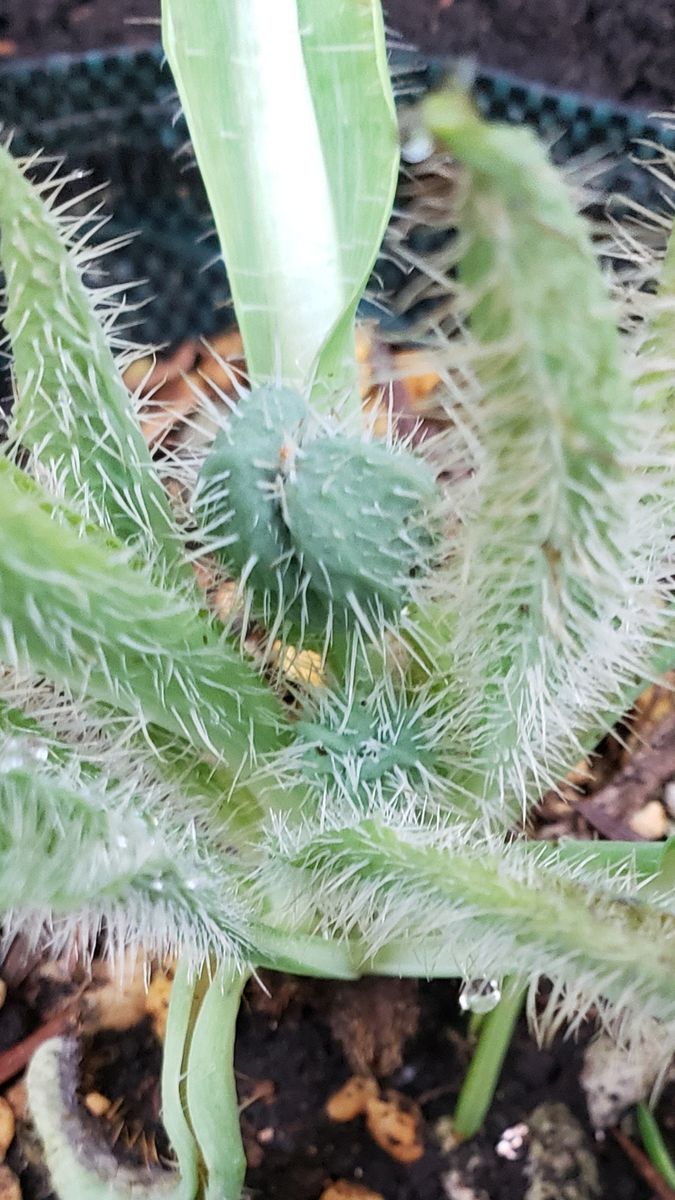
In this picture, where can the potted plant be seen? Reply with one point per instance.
(477, 608)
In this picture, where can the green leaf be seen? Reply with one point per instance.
(72, 409)
(480, 1082)
(76, 609)
(66, 843)
(345, 57)
(300, 184)
(656, 351)
(490, 909)
(654, 1144)
(77, 844)
(552, 606)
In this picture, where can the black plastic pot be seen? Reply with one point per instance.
(113, 116)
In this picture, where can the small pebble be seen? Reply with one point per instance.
(10, 1188)
(351, 1100)
(456, 1187)
(561, 1164)
(116, 997)
(448, 1138)
(96, 1103)
(17, 1097)
(651, 821)
(513, 1142)
(614, 1076)
(395, 1124)
(346, 1189)
(7, 1127)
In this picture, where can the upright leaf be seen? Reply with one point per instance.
(72, 410)
(300, 179)
(554, 589)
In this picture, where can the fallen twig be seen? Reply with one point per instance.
(17, 1057)
(609, 810)
(642, 1164)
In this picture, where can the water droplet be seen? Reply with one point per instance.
(480, 996)
(18, 753)
(418, 147)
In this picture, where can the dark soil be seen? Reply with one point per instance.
(32, 28)
(623, 49)
(289, 1063)
(307, 1150)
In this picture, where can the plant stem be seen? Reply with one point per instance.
(483, 1074)
(77, 609)
(211, 1093)
(174, 1115)
(654, 1144)
(505, 918)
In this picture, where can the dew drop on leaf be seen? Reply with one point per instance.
(480, 996)
(19, 753)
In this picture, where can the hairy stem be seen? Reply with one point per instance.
(75, 608)
(493, 912)
(72, 409)
(553, 599)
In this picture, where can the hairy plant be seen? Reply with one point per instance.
(479, 607)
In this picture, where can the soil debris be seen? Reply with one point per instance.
(16, 1096)
(561, 1164)
(393, 1121)
(352, 1099)
(456, 1187)
(372, 1019)
(262, 1092)
(97, 1104)
(610, 48)
(10, 1188)
(621, 791)
(115, 998)
(157, 1000)
(629, 807)
(615, 1077)
(644, 1166)
(7, 1127)
(395, 1124)
(346, 1189)
(270, 993)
